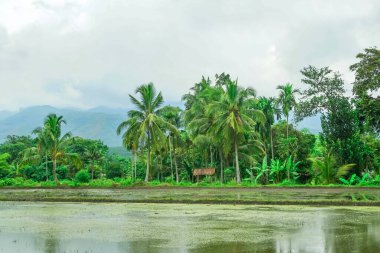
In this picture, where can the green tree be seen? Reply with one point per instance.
(5, 167)
(325, 169)
(172, 115)
(366, 84)
(234, 115)
(144, 125)
(287, 101)
(42, 147)
(324, 95)
(271, 111)
(56, 141)
(95, 154)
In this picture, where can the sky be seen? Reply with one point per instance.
(89, 53)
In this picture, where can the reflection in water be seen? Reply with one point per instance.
(51, 244)
(58, 227)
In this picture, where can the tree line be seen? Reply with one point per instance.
(247, 138)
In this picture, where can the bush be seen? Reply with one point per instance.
(38, 173)
(18, 182)
(48, 184)
(62, 172)
(82, 176)
(103, 183)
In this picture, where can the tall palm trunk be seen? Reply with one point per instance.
(238, 180)
(287, 128)
(171, 157)
(135, 164)
(148, 160)
(221, 166)
(55, 170)
(271, 142)
(92, 170)
(175, 163)
(287, 141)
(46, 168)
(211, 157)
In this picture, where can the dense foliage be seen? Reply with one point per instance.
(248, 139)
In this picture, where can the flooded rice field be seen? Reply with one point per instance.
(145, 227)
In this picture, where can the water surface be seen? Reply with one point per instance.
(89, 227)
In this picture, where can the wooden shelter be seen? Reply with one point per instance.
(203, 172)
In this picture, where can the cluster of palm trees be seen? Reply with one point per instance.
(51, 145)
(223, 120)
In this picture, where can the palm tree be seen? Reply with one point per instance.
(5, 167)
(55, 141)
(235, 115)
(94, 154)
(144, 125)
(172, 115)
(271, 111)
(325, 169)
(287, 101)
(42, 146)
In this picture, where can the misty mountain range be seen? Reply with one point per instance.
(98, 123)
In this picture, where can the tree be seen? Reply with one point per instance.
(5, 167)
(144, 125)
(42, 146)
(367, 82)
(234, 115)
(95, 153)
(172, 115)
(56, 141)
(287, 101)
(325, 96)
(271, 111)
(325, 169)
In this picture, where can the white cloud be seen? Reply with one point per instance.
(96, 52)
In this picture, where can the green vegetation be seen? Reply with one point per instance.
(249, 140)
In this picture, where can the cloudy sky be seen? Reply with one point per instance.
(87, 53)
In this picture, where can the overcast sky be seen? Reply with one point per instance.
(87, 53)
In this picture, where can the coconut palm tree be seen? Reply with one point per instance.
(55, 141)
(144, 125)
(172, 115)
(287, 101)
(234, 115)
(271, 111)
(42, 146)
(95, 154)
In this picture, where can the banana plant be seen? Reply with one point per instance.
(291, 168)
(276, 169)
(351, 181)
(261, 170)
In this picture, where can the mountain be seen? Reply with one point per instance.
(92, 124)
(5, 114)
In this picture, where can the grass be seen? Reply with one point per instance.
(20, 182)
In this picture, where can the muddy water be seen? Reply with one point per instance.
(76, 227)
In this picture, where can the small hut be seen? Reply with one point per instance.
(203, 172)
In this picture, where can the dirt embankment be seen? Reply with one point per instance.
(325, 196)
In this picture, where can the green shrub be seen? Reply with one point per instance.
(103, 183)
(82, 176)
(154, 182)
(48, 184)
(17, 182)
(126, 181)
(62, 172)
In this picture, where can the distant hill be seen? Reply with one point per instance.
(92, 124)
